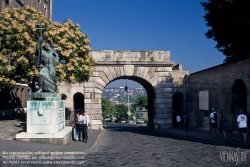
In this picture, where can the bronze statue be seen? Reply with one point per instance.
(48, 58)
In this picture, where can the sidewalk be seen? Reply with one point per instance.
(203, 135)
(17, 146)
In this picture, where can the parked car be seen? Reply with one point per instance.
(130, 122)
(107, 120)
(138, 121)
(122, 122)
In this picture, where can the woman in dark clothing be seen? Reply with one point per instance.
(186, 121)
(221, 124)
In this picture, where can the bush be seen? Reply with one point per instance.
(145, 120)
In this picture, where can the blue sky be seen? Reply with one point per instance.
(173, 25)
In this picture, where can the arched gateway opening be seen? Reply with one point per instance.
(78, 101)
(178, 106)
(149, 93)
(239, 99)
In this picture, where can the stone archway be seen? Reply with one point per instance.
(78, 101)
(178, 106)
(152, 69)
(239, 100)
(150, 94)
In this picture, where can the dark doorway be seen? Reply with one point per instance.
(239, 100)
(78, 101)
(178, 106)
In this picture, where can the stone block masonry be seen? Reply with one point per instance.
(229, 91)
(152, 69)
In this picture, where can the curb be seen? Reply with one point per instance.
(225, 143)
(96, 142)
(7, 138)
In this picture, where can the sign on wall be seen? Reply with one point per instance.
(204, 100)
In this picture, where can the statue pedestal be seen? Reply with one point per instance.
(46, 120)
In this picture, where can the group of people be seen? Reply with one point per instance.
(81, 122)
(218, 124)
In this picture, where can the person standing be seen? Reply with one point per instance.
(77, 127)
(242, 125)
(186, 121)
(178, 120)
(214, 122)
(221, 125)
(85, 122)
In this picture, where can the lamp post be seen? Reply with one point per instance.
(126, 89)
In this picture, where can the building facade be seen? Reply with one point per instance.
(11, 101)
(44, 6)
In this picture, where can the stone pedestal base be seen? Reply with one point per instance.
(45, 113)
(62, 137)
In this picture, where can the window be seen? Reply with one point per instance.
(19, 4)
(63, 97)
(7, 2)
(39, 1)
(45, 7)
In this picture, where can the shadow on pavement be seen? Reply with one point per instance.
(22, 126)
(151, 132)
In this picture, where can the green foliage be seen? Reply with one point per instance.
(18, 28)
(121, 112)
(229, 23)
(107, 109)
(145, 120)
(141, 101)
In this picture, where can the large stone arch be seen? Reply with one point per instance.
(152, 69)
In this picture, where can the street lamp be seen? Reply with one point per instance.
(120, 92)
(126, 89)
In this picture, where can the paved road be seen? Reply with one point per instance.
(126, 145)
(10, 127)
(137, 146)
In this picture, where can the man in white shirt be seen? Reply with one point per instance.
(214, 122)
(85, 120)
(242, 125)
(77, 122)
(178, 120)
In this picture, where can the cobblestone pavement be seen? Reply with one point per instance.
(126, 145)
(136, 146)
(9, 128)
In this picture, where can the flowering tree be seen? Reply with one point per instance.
(18, 28)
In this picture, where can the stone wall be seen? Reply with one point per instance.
(16, 98)
(219, 81)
